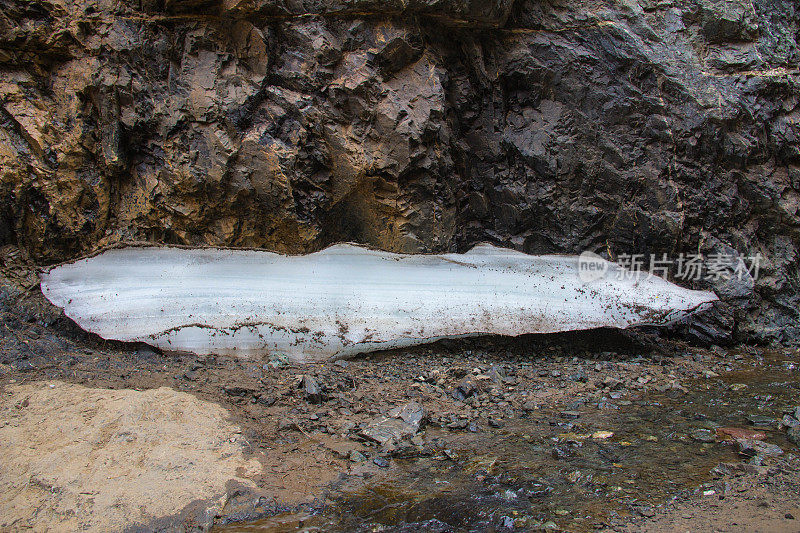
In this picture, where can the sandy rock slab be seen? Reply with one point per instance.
(77, 458)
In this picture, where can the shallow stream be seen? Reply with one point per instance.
(552, 471)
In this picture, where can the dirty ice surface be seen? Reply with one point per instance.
(347, 299)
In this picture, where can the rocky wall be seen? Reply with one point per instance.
(617, 126)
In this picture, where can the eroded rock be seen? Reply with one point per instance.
(421, 126)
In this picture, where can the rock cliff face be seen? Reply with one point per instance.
(618, 126)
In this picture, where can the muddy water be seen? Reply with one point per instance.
(552, 471)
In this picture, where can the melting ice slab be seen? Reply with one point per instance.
(347, 299)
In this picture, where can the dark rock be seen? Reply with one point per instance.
(311, 389)
(727, 21)
(495, 423)
(793, 434)
(411, 413)
(646, 511)
(267, 400)
(790, 421)
(22, 365)
(240, 392)
(762, 421)
(736, 469)
(465, 389)
(381, 462)
(580, 377)
(703, 435)
(612, 383)
(450, 454)
(287, 425)
(496, 375)
(563, 452)
(752, 448)
(400, 423)
(148, 354)
(356, 456)
(458, 424)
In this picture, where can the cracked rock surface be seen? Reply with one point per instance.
(635, 127)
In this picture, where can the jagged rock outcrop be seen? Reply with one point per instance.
(623, 127)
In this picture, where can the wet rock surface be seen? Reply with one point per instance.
(633, 128)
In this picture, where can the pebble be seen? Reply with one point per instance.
(458, 424)
(703, 435)
(311, 389)
(357, 457)
(381, 462)
(750, 448)
(790, 421)
(450, 454)
(562, 452)
(794, 435)
(731, 433)
(495, 423)
(761, 420)
(465, 389)
(22, 365)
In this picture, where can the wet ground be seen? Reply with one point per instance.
(575, 469)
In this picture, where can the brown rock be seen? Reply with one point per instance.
(732, 433)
